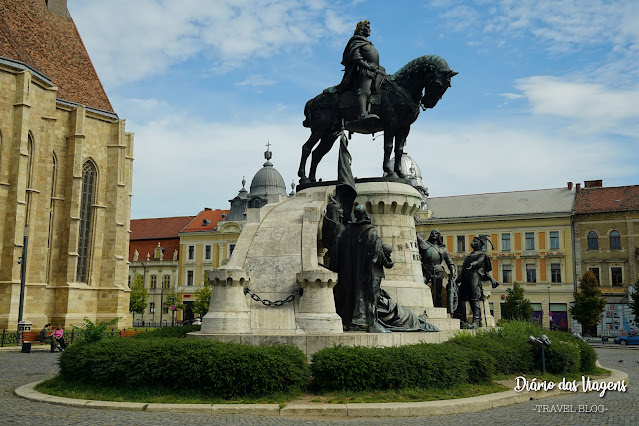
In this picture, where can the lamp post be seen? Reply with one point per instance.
(549, 310)
(23, 325)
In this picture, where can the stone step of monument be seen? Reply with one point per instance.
(436, 313)
(444, 324)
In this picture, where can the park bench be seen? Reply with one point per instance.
(130, 333)
(30, 338)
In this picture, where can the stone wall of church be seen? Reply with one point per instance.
(44, 144)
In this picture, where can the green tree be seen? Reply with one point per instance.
(172, 302)
(201, 304)
(589, 303)
(139, 295)
(634, 303)
(516, 306)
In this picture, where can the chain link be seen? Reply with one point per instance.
(266, 302)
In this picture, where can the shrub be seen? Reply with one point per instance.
(563, 357)
(421, 366)
(219, 369)
(507, 357)
(177, 332)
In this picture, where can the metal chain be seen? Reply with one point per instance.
(267, 302)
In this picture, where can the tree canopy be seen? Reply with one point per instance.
(139, 296)
(516, 306)
(589, 302)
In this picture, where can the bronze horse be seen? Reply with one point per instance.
(421, 82)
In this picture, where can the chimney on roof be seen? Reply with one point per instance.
(59, 7)
(207, 209)
(569, 185)
(593, 183)
(578, 188)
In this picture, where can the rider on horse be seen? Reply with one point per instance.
(361, 62)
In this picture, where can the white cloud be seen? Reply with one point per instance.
(129, 40)
(256, 81)
(593, 107)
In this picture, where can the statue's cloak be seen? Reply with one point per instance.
(353, 45)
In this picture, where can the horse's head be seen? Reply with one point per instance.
(435, 88)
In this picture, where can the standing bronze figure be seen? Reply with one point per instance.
(433, 253)
(359, 258)
(476, 268)
(394, 100)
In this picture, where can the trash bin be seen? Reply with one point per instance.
(26, 347)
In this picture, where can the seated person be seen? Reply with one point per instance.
(47, 337)
(58, 333)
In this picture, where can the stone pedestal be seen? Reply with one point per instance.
(316, 313)
(230, 313)
(392, 207)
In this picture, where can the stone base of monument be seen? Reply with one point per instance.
(311, 343)
(256, 296)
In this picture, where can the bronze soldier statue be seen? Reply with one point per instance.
(361, 63)
(476, 268)
(433, 252)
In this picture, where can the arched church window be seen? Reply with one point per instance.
(615, 240)
(593, 241)
(89, 176)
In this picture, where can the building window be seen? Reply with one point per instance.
(191, 252)
(617, 276)
(231, 249)
(555, 272)
(152, 307)
(166, 281)
(507, 274)
(154, 282)
(207, 252)
(593, 241)
(554, 240)
(505, 242)
(189, 277)
(461, 244)
(596, 272)
(530, 240)
(615, 240)
(531, 273)
(86, 204)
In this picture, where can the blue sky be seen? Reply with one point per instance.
(547, 91)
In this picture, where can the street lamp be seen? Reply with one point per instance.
(549, 310)
(23, 325)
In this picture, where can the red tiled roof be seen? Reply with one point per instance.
(159, 228)
(613, 199)
(148, 246)
(211, 216)
(50, 43)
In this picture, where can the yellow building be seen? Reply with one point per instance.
(606, 222)
(65, 173)
(531, 233)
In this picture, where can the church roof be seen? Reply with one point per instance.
(267, 181)
(50, 43)
(540, 201)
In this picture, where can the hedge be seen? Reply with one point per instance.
(218, 369)
(178, 332)
(419, 366)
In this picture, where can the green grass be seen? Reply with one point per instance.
(58, 387)
(409, 395)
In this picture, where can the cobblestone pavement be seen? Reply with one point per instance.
(17, 369)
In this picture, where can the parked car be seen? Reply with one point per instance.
(194, 321)
(631, 339)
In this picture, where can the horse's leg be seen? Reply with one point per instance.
(400, 141)
(388, 150)
(326, 143)
(306, 151)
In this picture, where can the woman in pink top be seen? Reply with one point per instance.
(58, 333)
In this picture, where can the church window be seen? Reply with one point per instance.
(89, 175)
